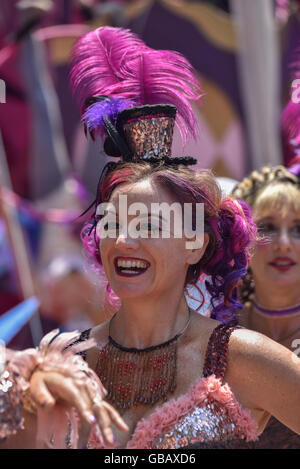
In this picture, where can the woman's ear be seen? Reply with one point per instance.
(195, 254)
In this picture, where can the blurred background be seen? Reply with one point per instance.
(242, 52)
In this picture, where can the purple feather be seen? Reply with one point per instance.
(93, 116)
(97, 59)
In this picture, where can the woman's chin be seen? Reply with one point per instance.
(129, 291)
(284, 280)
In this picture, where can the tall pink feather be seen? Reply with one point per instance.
(290, 119)
(164, 77)
(97, 59)
(114, 62)
(290, 131)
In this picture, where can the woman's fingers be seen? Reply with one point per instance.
(56, 386)
(48, 387)
(104, 423)
(107, 416)
(39, 391)
(116, 418)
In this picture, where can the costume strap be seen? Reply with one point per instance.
(217, 351)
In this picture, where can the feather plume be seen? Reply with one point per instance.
(97, 59)
(93, 116)
(116, 63)
(290, 117)
(290, 125)
(164, 77)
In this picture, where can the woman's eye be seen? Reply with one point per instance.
(149, 227)
(109, 226)
(295, 231)
(266, 228)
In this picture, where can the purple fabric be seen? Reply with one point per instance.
(160, 28)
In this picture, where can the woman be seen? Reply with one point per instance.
(270, 292)
(154, 310)
(176, 377)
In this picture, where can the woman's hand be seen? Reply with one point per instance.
(50, 387)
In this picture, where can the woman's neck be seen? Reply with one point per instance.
(279, 328)
(277, 297)
(146, 322)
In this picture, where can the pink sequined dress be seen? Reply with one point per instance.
(207, 416)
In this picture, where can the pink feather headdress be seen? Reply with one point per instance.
(290, 119)
(125, 88)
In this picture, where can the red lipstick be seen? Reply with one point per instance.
(130, 266)
(282, 264)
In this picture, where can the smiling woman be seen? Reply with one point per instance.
(177, 378)
(270, 291)
(173, 378)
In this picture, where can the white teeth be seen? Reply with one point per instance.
(131, 264)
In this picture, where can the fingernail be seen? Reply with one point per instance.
(92, 419)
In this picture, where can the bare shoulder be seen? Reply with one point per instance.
(247, 345)
(260, 371)
(100, 332)
(202, 323)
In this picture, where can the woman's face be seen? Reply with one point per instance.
(149, 265)
(276, 262)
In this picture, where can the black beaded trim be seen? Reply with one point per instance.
(167, 161)
(147, 349)
(146, 111)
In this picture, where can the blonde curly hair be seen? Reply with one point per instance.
(252, 186)
(268, 190)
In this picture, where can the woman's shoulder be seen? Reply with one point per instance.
(100, 333)
(252, 345)
(254, 358)
(245, 349)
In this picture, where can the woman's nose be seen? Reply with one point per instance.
(283, 241)
(126, 242)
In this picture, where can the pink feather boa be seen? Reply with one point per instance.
(53, 354)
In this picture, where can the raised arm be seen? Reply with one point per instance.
(265, 378)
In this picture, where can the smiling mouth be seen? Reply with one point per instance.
(282, 265)
(130, 267)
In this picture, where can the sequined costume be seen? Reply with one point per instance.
(207, 416)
